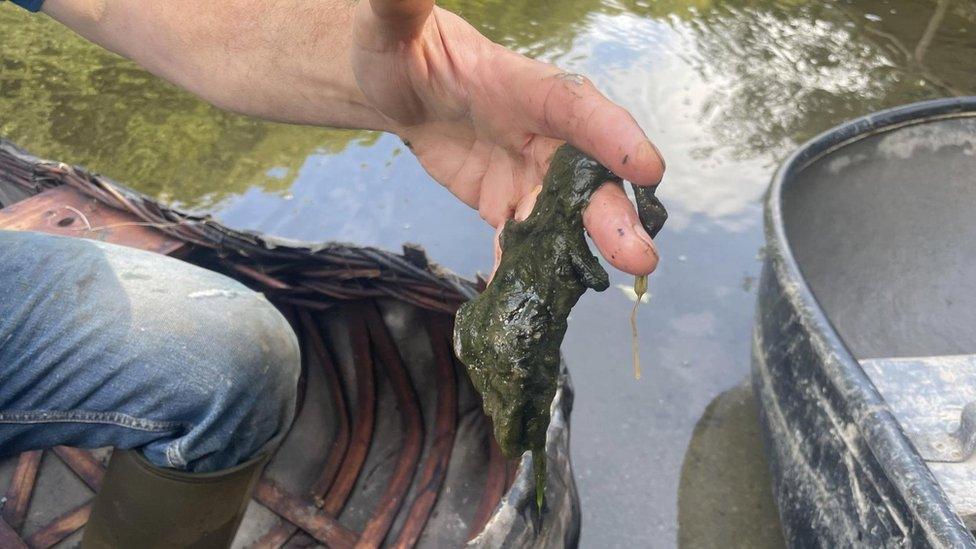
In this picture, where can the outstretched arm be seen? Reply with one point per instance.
(482, 120)
(286, 61)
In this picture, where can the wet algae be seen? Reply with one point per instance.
(509, 336)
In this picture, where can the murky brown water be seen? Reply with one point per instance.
(726, 88)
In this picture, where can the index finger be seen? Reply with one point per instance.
(569, 107)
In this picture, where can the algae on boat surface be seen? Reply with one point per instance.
(509, 336)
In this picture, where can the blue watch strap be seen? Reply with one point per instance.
(29, 5)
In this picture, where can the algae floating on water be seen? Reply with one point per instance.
(509, 336)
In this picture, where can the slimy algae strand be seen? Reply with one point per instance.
(640, 287)
(509, 336)
(652, 215)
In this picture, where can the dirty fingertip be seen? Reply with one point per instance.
(614, 227)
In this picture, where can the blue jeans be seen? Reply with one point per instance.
(102, 345)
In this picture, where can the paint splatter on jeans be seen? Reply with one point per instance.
(102, 345)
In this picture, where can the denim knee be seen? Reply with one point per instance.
(111, 346)
(246, 368)
(265, 365)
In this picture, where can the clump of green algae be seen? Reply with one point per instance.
(509, 336)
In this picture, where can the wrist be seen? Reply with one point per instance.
(305, 78)
(323, 92)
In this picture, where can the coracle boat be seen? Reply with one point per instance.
(390, 447)
(864, 349)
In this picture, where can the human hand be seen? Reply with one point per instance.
(485, 121)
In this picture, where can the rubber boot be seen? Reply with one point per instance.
(143, 506)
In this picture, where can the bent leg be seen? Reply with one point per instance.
(102, 345)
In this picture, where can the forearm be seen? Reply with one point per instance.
(286, 60)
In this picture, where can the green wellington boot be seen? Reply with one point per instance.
(143, 506)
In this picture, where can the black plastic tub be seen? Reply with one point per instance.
(864, 348)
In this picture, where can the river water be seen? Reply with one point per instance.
(725, 88)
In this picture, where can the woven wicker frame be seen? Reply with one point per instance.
(303, 280)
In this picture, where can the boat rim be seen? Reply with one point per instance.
(881, 431)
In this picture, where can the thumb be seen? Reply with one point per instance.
(399, 20)
(522, 211)
(497, 248)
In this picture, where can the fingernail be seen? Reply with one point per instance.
(657, 151)
(648, 149)
(640, 233)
